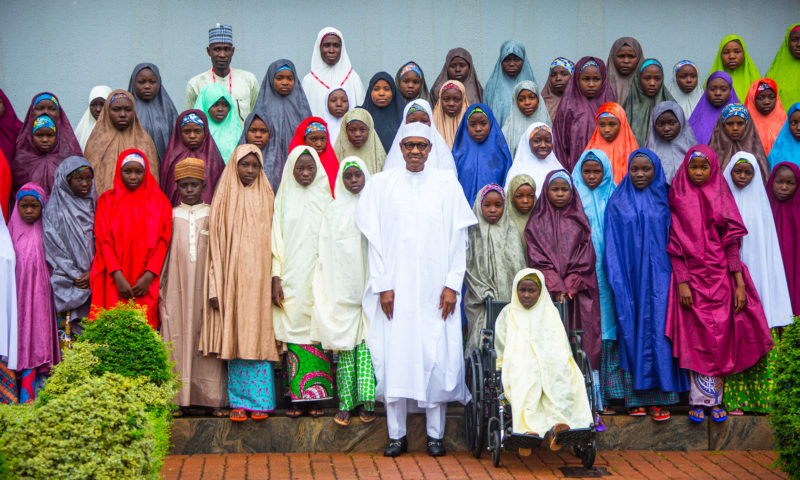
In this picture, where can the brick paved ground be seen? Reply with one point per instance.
(542, 464)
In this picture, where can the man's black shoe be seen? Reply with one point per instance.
(436, 447)
(396, 447)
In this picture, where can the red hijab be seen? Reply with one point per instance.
(327, 158)
(768, 126)
(787, 223)
(132, 232)
(5, 186)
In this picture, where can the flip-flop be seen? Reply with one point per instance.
(342, 418)
(637, 412)
(366, 416)
(736, 412)
(658, 414)
(558, 427)
(238, 415)
(294, 412)
(220, 412)
(718, 417)
(259, 415)
(701, 415)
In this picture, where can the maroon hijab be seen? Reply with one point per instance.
(574, 122)
(560, 245)
(177, 151)
(29, 165)
(787, 223)
(705, 235)
(9, 128)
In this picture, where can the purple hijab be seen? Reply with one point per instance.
(705, 235)
(36, 316)
(575, 123)
(9, 128)
(787, 223)
(705, 115)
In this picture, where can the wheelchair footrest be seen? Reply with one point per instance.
(520, 440)
(577, 436)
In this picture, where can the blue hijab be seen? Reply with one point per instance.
(479, 164)
(594, 205)
(499, 87)
(638, 269)
(786, 148)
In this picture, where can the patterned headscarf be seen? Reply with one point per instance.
(735, 110)
(44, 121)
(492, 187)
(565, 63)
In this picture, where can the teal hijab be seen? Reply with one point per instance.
(227, 132)
(497, 93)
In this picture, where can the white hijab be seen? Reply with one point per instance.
(338, 322)
(760, 250)
(528, 163)
(87, 123)
(335, 124)
(440, 156)
(8, 299)
(687, 101)
(323, 77)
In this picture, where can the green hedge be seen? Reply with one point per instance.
(785, 415)
(99, 416)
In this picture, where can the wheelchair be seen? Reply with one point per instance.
(488, 418)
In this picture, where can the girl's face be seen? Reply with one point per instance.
(626, 60)
(132, 175)
(318, 140)
(492, 207)
(742, 174)
(699, 171)
(794, 45)
(248, 168)
(457, 69)
(718, 92)
(451, 101)
(641, 171)
(686, 78)
(96, 106)
(559, 192)
(192, 136)
(46, 107)
(146, 84)
(528, 293)
(357, 133)
(219, 110)
(338, 103)
(592, 173)
(410, 83)
(784, 185)
(381, 94)
(44, 139)
(734, 128)
(283, 82)
(651, 80)
(478, 126)
(258, 133)
(766, 101)
(667, 126)
(305, 170)
(419, 116)
(590, 82)
(541, 143)
(732, 55)
(353, 179)
(120, 112)
(29, 209)
(559, 77)
(608, 128)
(524, 198)
(81, 183)
(794, 125)
(527, 102)
(511, 65)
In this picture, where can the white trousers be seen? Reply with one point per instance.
(397, 409)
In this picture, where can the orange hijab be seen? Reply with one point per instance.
(767, 126)
(622, 146)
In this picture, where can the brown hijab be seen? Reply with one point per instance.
(239, 267)
(621, 84)
(471, 83)
(106, 143)
(750, 142)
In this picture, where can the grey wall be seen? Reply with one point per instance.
(68, 46)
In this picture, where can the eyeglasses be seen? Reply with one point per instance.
(421, 146)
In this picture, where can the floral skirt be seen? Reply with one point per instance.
(308, 371)
(251, 385)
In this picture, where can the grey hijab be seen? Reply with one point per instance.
(158, 115)
(273, 155)
(517, 123)
(670, 153)
(68, 234)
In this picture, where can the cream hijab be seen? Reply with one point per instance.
(87, 123)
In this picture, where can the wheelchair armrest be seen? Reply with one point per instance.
(576, 331)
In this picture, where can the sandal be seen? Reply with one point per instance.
(178, 412)
(637, 412)
(697, 414)
(608, 411)
(342, 418)
(558, 427)
(220, 412)
(718, 414)
(315, 412)
(736, 412)
(658, 414)
(294, 412)
(366, 416)
(259, 415)
(238, 415)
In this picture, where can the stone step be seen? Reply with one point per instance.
(194, 435)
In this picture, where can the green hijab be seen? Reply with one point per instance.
(519, 219)
(371, 153)
(226, 133)
(745, 75)
(639, 107)
(785, 70)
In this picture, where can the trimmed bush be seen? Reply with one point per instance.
(785, 414)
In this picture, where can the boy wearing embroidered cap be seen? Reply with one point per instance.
(242, 85)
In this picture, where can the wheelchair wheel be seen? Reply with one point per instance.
(473, 412)
(494, 444)
(586, 453)
(469, 408)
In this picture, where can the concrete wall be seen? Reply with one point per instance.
(68, 46)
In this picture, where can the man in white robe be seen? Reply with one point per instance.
(415, 220)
